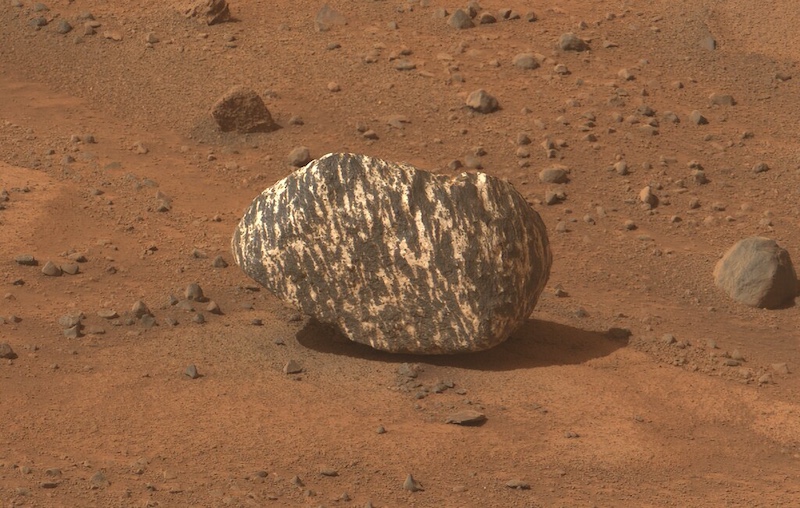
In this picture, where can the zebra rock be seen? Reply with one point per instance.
(398, 258)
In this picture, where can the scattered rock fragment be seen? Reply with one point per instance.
(299, 157)
(482, 102)
(554, 175)
(242, 110)
(412, 485)
(486, 18)
(697, 118)
(340, 288)
(26, 260)
(571, 42)
(327, 18)
(526, 61)
(194, 292)
(761, 167)
(716, 99)
(6, 351)
(518, 484)
(70, 268)
(140, 309)
(647, 197)
(460, 20)
(163, 202)
(292, 367)
(625, 75)
(213, 308)
(112, 35)
(404, 65)
(219, 262)
(51, 269)
(780, 368)
(191, 372)
(467, 417)
(211, 11)
(757, 272)
(99, 480)
(70, 320)
(63, 27)
(709, 43)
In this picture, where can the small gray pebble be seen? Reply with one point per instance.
(292, 367)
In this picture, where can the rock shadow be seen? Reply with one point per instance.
(536, 343)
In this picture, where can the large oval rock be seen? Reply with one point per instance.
(757, 272)
(398, 258)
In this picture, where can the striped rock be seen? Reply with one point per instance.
(398, 258)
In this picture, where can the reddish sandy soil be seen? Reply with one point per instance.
(584, 416)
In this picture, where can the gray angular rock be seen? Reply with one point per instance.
(6, 351)
(212, 11)
(299, 156)
(460, 19)
(486, 18)
(554, 175)
(292, 367)
(26, 260)
(63, 27)
(718, 99)
(328, 17)
(466, 417)
(51, 269)
(518, 484)
(697, 118)
(139, 309)
(526, 61)
(412, 485)
(708, 43)
(398, 258)
(571, 42)
(242, 110)
(482, 102)
(194, 292)
(757, 272)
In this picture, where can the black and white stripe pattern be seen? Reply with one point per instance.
(399, 258)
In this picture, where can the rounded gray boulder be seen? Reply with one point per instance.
(757, 272)
(398, 258)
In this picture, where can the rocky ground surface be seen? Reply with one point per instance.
(141, 368)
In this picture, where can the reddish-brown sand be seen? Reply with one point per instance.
(584, 416)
